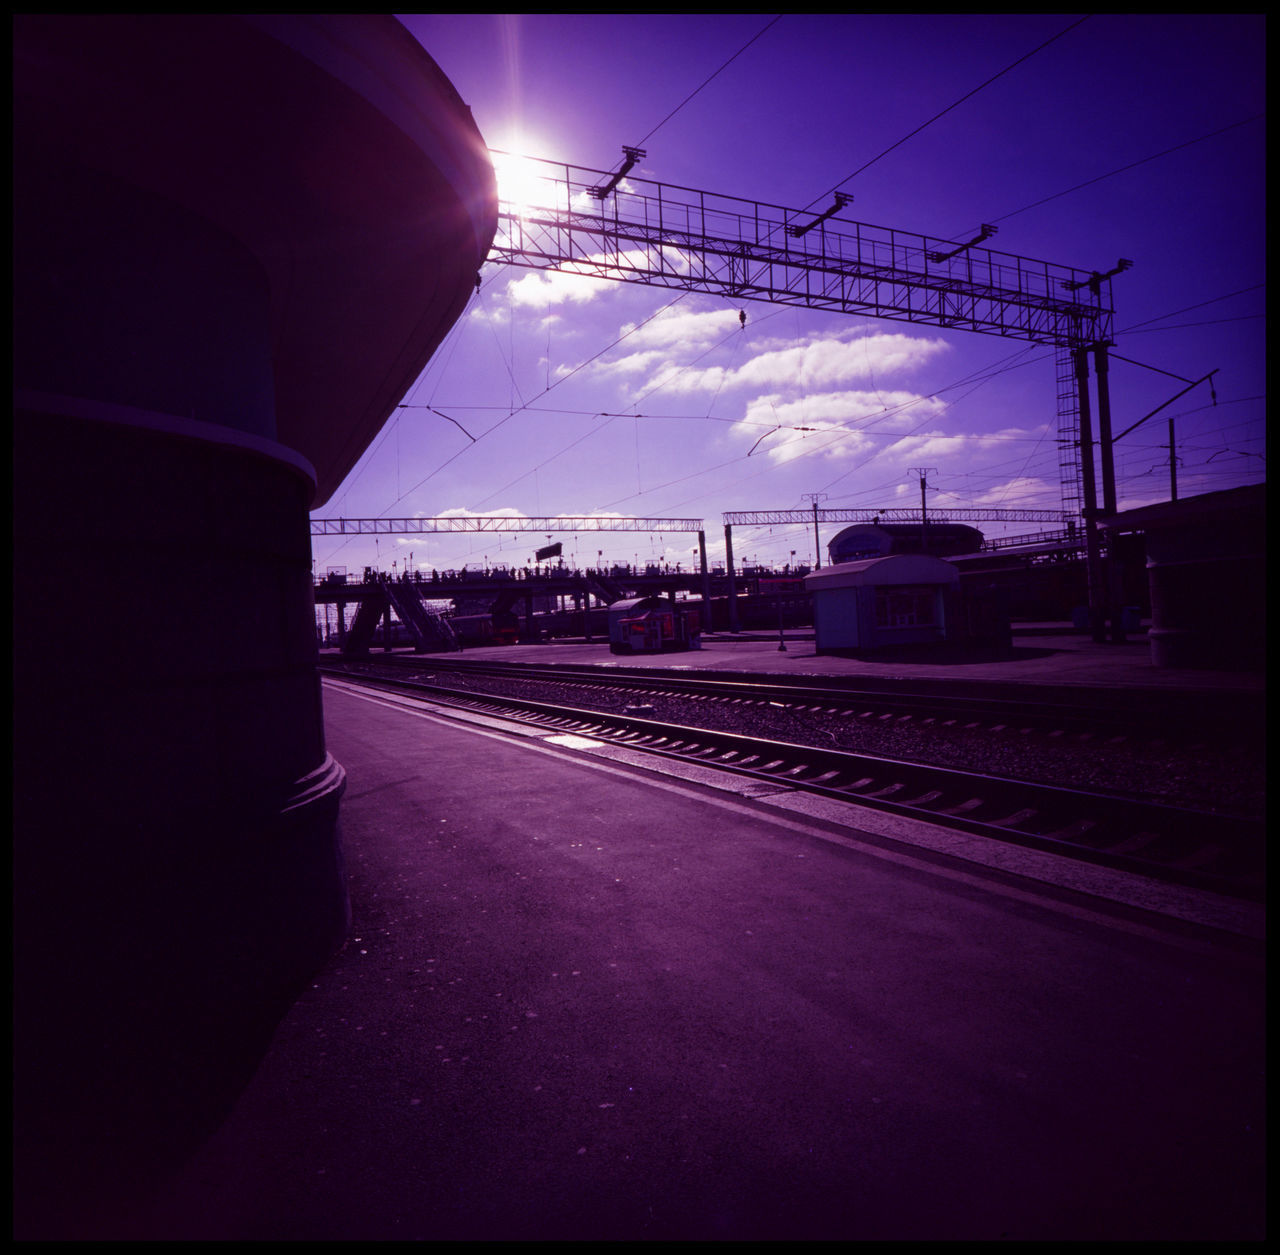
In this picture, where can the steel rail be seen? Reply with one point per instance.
(1205, 850)
(1027, 708)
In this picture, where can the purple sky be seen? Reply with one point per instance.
(1121, 104)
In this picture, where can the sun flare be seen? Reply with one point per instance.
(523, 184)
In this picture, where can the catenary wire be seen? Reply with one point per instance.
(769, 26)
(955, 104)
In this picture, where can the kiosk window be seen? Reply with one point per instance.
(906, 607)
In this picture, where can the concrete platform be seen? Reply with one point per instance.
(584, 1001)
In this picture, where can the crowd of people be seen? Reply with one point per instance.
(371, 575)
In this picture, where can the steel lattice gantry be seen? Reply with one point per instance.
(675, 237)
(770, 518)
(498, 523)
(506, 523)
(617, 226)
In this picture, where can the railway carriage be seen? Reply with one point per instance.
(499, 628)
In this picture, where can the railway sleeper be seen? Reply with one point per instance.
(962, 808)
(888, 791)
(1137, 843)
(1015, 819)
(922, 799)
(1076, 831)
(857, 786)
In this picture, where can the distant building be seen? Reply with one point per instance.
(1206, 566)
(878, 540)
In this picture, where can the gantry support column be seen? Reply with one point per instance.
(1093, 557)
(733, 583)
(1113, 573)
(706, 582)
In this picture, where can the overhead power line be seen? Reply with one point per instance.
(769, 26)
(1133, 165)
(1186, 309)
(955, 104)
(524, 406)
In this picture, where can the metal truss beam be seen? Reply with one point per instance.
(901, 515)
(674, 237)
(497, 523)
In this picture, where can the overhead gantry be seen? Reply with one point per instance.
(697, 241)
(456, 523)
(622, 227)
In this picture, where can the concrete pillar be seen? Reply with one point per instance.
(177, 875)
(213, 319)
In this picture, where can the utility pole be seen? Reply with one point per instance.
(1191, 383)
(1107, 443)
(924, 472)
(815, 497)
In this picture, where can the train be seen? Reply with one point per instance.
(500, 628)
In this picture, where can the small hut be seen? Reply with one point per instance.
(645, 625)
(899, 599)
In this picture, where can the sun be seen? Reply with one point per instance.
(523, 183)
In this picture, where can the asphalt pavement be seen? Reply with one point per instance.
(584, 1001)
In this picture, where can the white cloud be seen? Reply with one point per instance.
(813, 364)
(831, 441)
(544, 289)
(575, 284)
(936, 446)
(1023, 492)
(460, 512)
(833, 425)
(634, 364)
(823, 363)
(897, 409)
(684, 328)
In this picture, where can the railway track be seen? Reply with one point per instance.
(1208, 850)
(1023, 708)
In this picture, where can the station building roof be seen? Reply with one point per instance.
(894, 568)
(330, 147)
(1248, 504)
